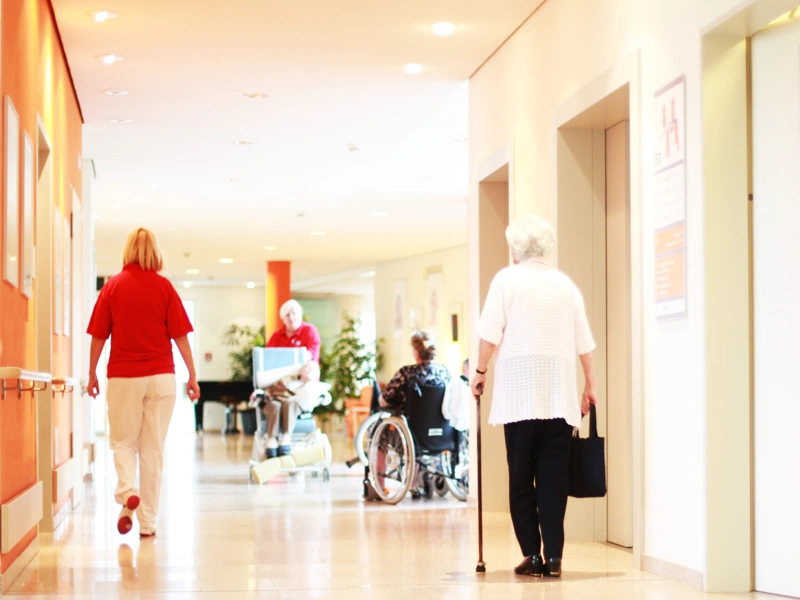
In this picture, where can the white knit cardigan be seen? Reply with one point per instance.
(535, 316)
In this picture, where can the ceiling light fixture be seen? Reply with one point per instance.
(192, 271)
(233, 179)
(377, 214)
(101, 16)
(255, 96)
(443, 28)
(242, 143)
(110, 59)
(118, 206)
(136, 197)
(121, 121)
(353, 148)
(187, 284)
(155, 185)
(270, 248)
(251, 284)
(95, 216)
(226, 261)
(413, 69)
(368, 274)
(317, 233)
(116, 92)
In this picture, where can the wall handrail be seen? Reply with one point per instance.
(62, 385)
(21, 375)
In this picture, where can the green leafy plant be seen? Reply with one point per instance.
(348, 363)
(243, 339)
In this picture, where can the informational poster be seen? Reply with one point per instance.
(399, 305)
(669, 167)
(433, 284)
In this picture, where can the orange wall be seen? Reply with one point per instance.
(279, 290)
(34, 74)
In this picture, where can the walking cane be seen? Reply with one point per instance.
(481, 568)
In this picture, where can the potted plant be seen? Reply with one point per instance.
(349, 362)
(242, 339)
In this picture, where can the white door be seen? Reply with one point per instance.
(776, 287)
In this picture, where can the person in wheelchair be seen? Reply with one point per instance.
(424, 370)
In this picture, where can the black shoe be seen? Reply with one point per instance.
(532, 565)
(552, 567)
(272, 452)
(284, 450)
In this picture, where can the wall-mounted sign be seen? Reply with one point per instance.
(669, 167)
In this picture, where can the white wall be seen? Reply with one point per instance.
(214, 309)
(562, 48)
(452, 263)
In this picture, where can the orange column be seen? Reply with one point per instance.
(279, 283)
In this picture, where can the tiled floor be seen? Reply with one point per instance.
(222, 538)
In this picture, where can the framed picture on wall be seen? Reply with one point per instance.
(433, 284)
(67, 275)
(58, 266)
(28, 256)
(11, 196)
(454, 312)
(399, 306)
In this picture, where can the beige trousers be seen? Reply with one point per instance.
(139, 411)
(280, 413)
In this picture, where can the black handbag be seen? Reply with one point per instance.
(587, 463)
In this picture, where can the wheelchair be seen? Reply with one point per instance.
(417, 445)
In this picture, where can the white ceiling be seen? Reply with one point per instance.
(333, 73)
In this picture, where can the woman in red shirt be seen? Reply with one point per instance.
(142, 313)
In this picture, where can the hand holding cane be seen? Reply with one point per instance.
(481, 567)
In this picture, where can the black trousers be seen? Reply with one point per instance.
(538, 480)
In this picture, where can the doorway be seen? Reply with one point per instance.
(594, 249)
(775, 97)
(489, 255)
(43, 292)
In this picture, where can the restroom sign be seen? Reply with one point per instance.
(669, 170)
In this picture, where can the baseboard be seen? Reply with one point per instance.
(20, 515)
(64, 479)
(15, 569)
(669, 570)
(61, 515)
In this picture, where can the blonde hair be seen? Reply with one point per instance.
(425, 344)
(141, 248)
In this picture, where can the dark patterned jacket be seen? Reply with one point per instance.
(430, 373)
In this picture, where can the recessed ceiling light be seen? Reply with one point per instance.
(121, 121)
(251, 284)
(118, 206)
(110, 59)
(233, 179)
(443, 28)
(170, 229)
(192, 271)
(413, 69)
(242, 143)
(136, 197)
(101, 16)
(226, 261)
(95, 216)
(270, 248)
(460, 139)
(377, 214)
(368, 274)
(255, 96)
(116, 92)
(353, 148)
(155, 185)
(426, 176)
(317, 233)
(187, 284)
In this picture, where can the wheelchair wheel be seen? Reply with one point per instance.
(440, 485)
(391, 460)
(364, 434)
(456, 469)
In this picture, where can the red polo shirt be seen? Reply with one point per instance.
(142, 313)
(306, 336)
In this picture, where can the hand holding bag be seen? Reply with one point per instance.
(587, 463)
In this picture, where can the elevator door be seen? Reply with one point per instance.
(776, 298)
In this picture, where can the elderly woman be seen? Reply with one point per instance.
(534, 319)
(423, 370)
(141, 312)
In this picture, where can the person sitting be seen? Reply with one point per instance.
(295, 333)
(424, 370)
(284, 402)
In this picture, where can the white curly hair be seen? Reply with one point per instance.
(530, 237)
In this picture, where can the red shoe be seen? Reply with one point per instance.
(125, 521)
(132, 502)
